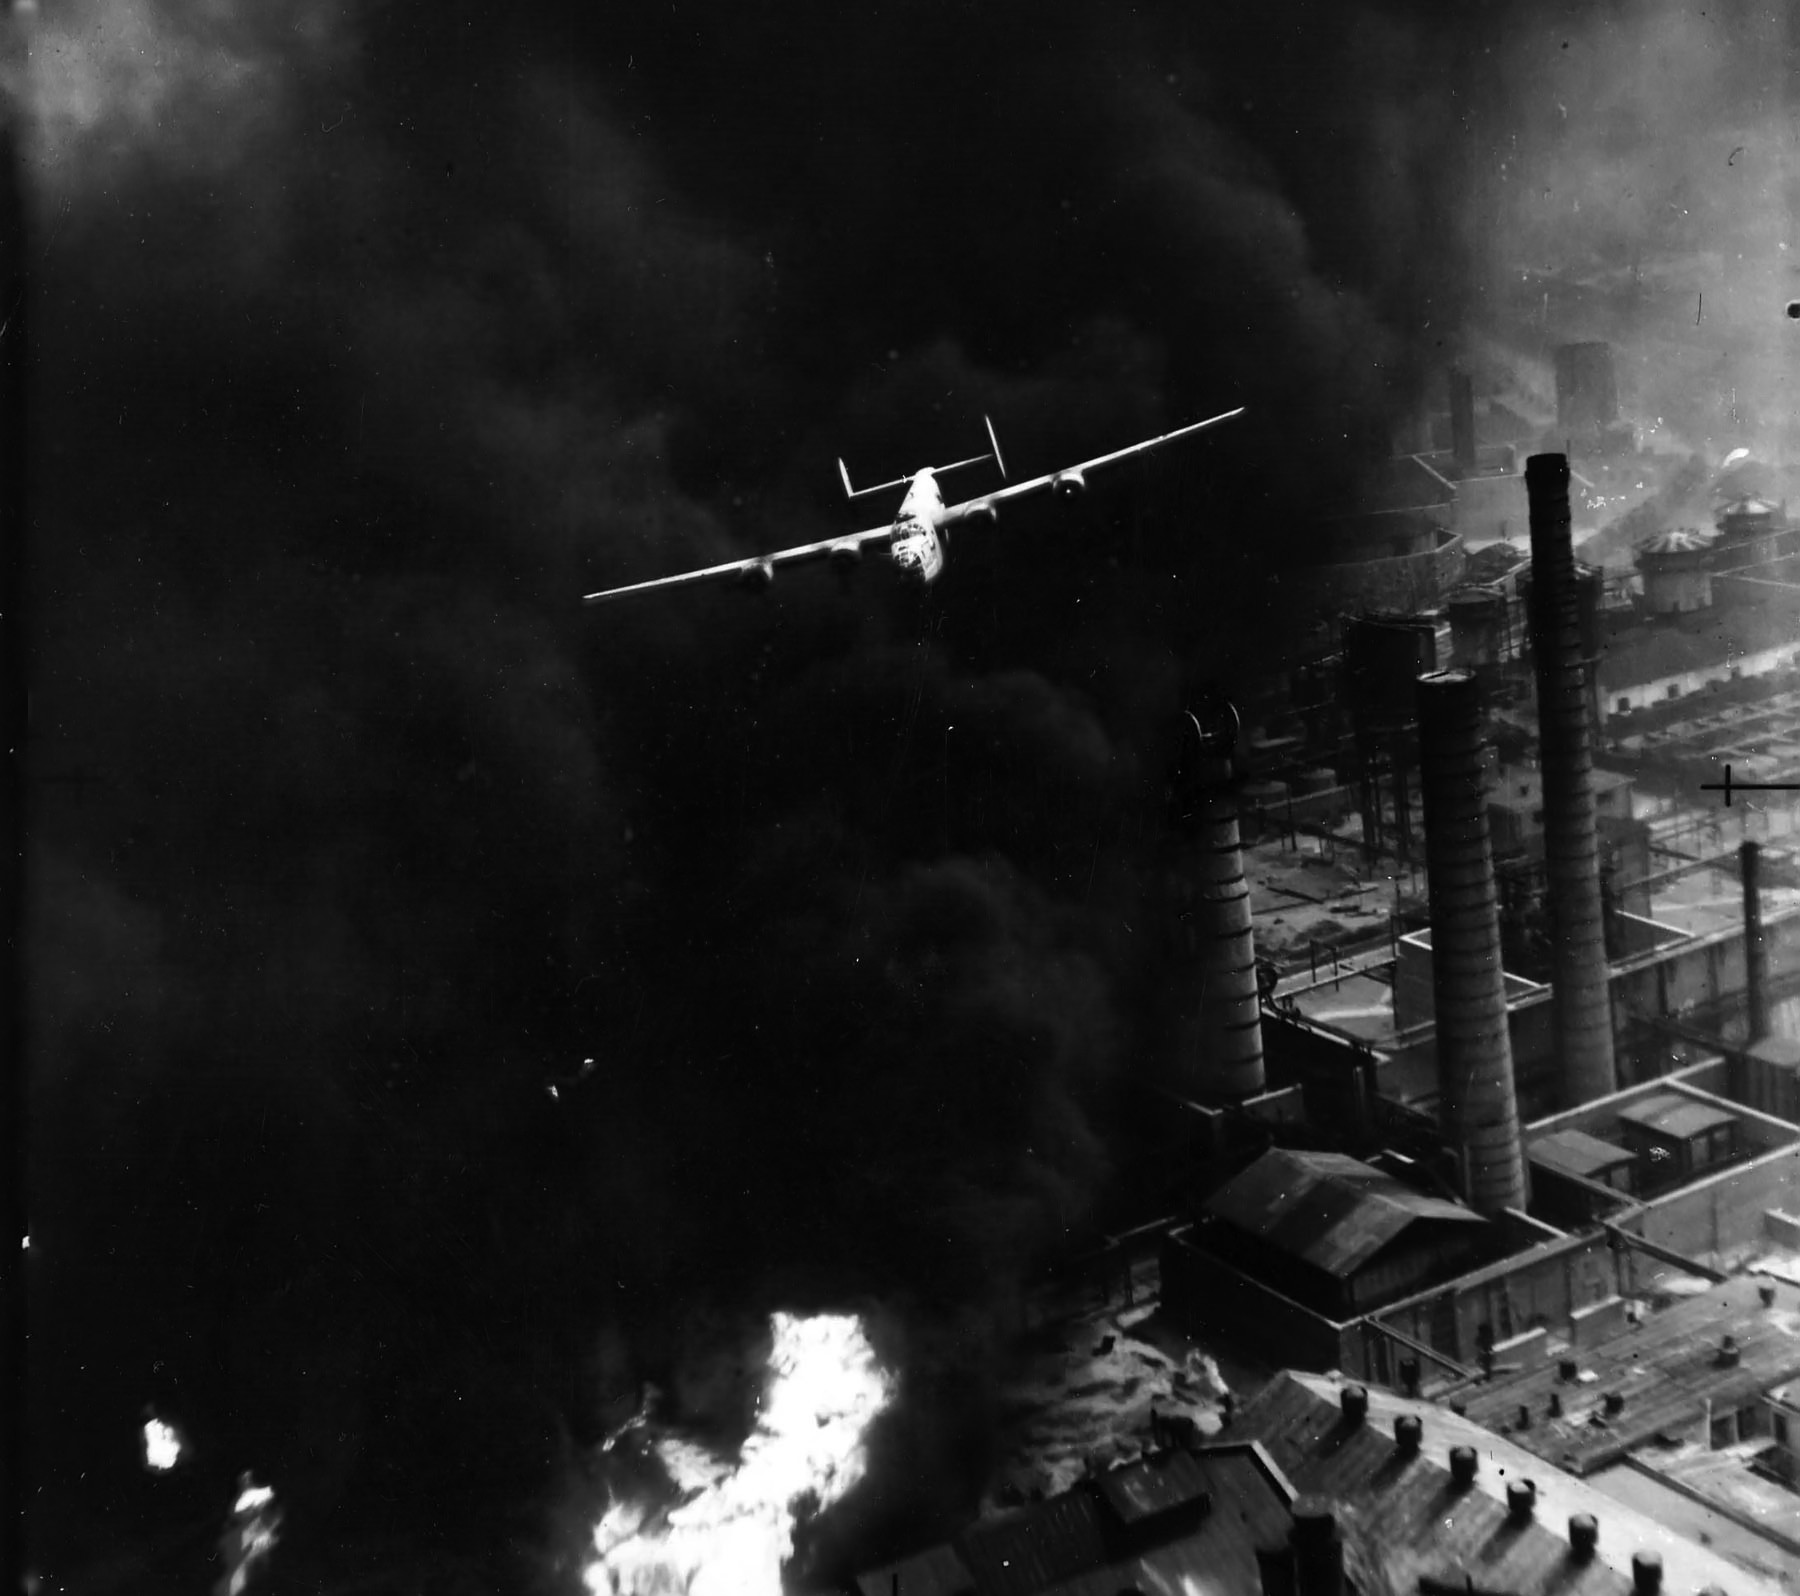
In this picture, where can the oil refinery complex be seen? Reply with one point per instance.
(1475, 1134)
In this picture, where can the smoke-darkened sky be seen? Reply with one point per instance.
(365, 339)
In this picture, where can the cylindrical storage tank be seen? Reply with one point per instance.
(1477, 627)
(1217, 1007)
(1677, 571)
(1748, 520)
(1477, 1102)
(1582, 1000)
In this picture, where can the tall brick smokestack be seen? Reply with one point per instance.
(1479, 1107)
(1587, 389)
(1756, 958)
(1462, 422)
(1583, 1001)
(1217, 1007)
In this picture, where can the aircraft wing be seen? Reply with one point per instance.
(978, 507)
(758, 568)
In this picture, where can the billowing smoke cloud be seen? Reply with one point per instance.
(369, 338)
(1644, 158)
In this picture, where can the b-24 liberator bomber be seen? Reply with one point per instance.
(915, 540)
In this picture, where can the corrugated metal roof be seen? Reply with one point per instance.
(1666, 1368)
(936, 1571)
(1673, 1115)
(1624, 1530)
(1152, 1486)
(1061, 1547)
(1329, 1209)
(1574, 1152)
(1247, 1511)
(1402, 1517)
(1038, 1546)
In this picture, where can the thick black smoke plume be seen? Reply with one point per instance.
(370, 337)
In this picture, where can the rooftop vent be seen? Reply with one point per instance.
(1556, 1411)
(1521, 1498)
(1614, 1402)
(1462, 1466)
(1584, 1536)
(1355, 1403)
(1318, 1548)
(1275, 1568)
(1646, 1573)
(1730, 1353)
(1524, 1416)
(1567, 1369)
(1767, 1292)
(1409, 1434)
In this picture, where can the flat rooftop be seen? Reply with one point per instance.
(1666, 1368)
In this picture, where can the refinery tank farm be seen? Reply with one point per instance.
(932, 801)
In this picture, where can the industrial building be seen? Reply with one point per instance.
(1333, 1232)
(1482, 1087)
(1320, 1489)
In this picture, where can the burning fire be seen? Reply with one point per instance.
(249, 1536)
(734, 1531)
(162, 1445)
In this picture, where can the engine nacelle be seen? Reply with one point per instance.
(1068, 484)
(759, 576)
(845, 556)
(982, 514)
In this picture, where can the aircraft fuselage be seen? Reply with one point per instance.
(915, 544)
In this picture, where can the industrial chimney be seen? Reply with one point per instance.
(1587, 389)
(1218, 1008)
(1756, 958)
(1582, 999)
(1479, 1108)
(1462, 422)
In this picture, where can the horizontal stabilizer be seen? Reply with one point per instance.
(863, 493)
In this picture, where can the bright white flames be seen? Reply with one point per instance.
(731, 1538)
(162, 1446)
(249, 1537)
(1737, 455)
(253, 1497)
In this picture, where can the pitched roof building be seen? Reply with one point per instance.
(1299, 1420)
(1322, 1490)
(1334, 1233)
